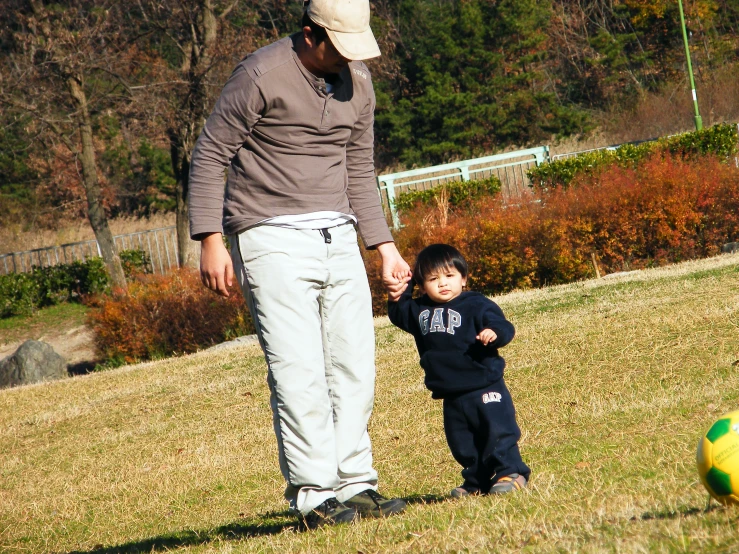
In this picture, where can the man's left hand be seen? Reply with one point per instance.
(395, 271)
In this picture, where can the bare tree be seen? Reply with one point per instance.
(208, 37)
(61, 69)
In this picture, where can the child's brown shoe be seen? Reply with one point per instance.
(509, 483)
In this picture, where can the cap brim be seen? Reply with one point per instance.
(355, 46)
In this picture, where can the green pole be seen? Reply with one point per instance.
(698, 120)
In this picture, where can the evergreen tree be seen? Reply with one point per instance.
(475, 82)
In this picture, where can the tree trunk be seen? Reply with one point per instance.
(181, 149)
(189, 121)
(95, 211)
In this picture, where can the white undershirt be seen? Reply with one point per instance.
(313, 220)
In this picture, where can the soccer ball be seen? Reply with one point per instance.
(718, 459)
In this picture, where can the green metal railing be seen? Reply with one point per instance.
(510, 168)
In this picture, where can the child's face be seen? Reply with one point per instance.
(444, 284)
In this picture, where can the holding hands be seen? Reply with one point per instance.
(395, 271)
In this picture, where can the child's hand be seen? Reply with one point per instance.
(486, 336)
(395, 296)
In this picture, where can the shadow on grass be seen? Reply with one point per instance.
(81, 368)
(271, 523)
(424, 499)
(674, 514)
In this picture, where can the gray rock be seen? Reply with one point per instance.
(239, 341)
(34, 361)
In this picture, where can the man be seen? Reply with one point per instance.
(293, 125)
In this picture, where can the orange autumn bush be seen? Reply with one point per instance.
(165, 315)
(664, 211)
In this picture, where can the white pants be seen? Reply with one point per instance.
(311, 304)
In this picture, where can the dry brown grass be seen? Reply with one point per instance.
(664, 113)
(13, 238)
(614, 381)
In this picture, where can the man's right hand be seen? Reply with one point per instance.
(216, 267)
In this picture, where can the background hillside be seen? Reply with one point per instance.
(457, 78)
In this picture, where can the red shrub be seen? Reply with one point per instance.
(165, 315)
(665, 211)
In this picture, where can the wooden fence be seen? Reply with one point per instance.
(160, 245)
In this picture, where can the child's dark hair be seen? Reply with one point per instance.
(436, 257)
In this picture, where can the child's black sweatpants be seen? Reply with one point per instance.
(482, 433)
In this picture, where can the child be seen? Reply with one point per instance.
(458, 335)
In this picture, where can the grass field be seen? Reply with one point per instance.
(52, 319)
(614, 382)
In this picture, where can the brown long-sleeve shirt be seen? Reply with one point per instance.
(290, 147)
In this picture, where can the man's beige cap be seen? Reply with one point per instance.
(347, 23)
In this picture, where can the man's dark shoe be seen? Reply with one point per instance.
(330, 512)
(371, 503)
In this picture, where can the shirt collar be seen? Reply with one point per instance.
(318, 83)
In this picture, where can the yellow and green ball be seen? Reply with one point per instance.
(718, 459)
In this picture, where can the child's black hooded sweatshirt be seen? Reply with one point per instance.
(453, 359)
